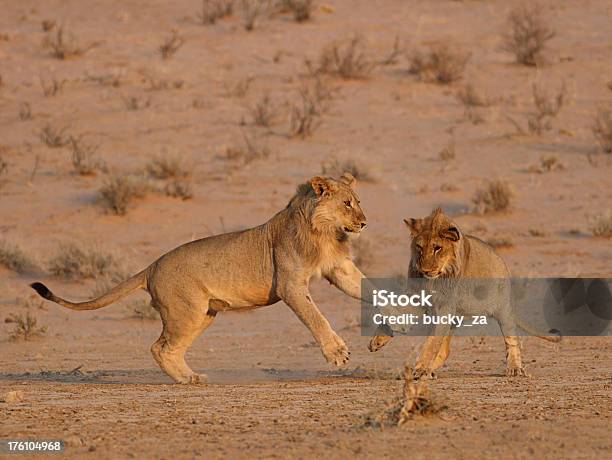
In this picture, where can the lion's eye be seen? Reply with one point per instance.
(419, 248)
(437, 249)
(347, 203)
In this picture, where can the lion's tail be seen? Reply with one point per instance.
(551, 338)
(122, 289)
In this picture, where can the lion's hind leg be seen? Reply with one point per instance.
(181, 327)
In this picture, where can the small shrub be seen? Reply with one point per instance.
(546, 106)
(537, 233)
(448, 152)
(472, 100)
(346, 59)
(239, 89)
(306, 114)
(25, 111)
(212, 10)
(134, 103)
(601, 225)
(448, 187)
(143, 309)
(3, 168)
(602, 129)
(63, 45)
(393, 57)
(442, 64)
(528, 35)
(77, 260)
(26, 326)
(167, 166)
(251, 10)
(495, 196)
(54, 136)
(48, 25)
(179, 187)
(301, 9)
(251, 150)
(84, 160)
(53, 87)
(360, 169)
(15, 259)
(264, 112)
(171, 45)
(547, 164)
(118, 192)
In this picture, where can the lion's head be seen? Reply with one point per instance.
(436, 245)
(336, 207)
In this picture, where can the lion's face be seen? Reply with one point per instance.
(337, 209)
(435, 243)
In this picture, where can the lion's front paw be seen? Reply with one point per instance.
(378, 341)
(335, 350)
(193, 379)
(516, 371)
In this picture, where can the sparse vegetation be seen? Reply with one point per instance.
(472, 100)
(212, 10)
(15, 259)
(52, 87)
(547, 107)
(118, 192)
(360, 169)
(251, 150)
(179, 187)
(442, 64)
(133, 103)
(239, 89)
(602, 129)
(495, 196)
(306, 113)
(448, 187)
(47, 25)
(78, 260)
(528, 33)
(448, 152)
(26, 326)
(264, 112)
(345, 58)
(25, 111)
(3, 169)
(547, 164)
(601, 225)
(167, 166)
(301, 9)
(84, 159)
(64, 45)
(171, 45)
(416, 400)
(251, 10)
(54, 136)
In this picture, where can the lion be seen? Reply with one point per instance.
(440, 250)
(248, 269)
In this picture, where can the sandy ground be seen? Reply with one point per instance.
(270, 392)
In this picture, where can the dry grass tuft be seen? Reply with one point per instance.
(547, 107)
(416, 401)
(167, 166)
(306, 113)
(442, 64)
(252, 149)
(264, 112)
(64, 45)
(239, 89)
(472, 100)
(143, 309)
(528, 35)
(251, 10)
(212, 10)
(171, 45)
(360, 169)
(78, 260)
(3, 170)
(54, 136)
(84, 159)
(494, 197)
(302, 9)
(52, 87)
(602, 129)
(179, 187)
(547, 164)
(134, 103)
(118, 192)
(15, 259)
(346, 59)
(26, 326)
(601, 225)
(448, 153)
(25, 111)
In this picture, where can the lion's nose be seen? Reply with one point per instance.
(363, 224)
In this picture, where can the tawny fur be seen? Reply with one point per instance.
(249, 269)
(440, 250)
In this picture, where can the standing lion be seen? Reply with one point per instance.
(248, 269)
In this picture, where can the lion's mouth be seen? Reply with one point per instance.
(351, 230)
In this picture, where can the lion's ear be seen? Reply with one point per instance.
(348, 179)
(414, 225)
(451, 233)
(322, 186)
